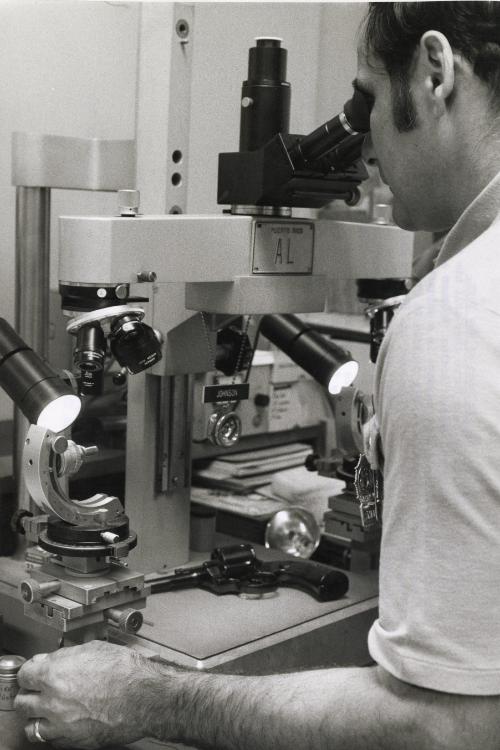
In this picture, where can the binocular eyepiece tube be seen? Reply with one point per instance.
(342, 133)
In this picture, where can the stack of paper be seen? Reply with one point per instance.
(252, 505)
(254, 468)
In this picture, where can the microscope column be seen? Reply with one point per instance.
(32, 295)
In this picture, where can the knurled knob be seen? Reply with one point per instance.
(127, 620)
(34, 591)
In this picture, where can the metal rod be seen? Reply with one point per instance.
(32, 295)
(33, 267)
(175, 443)
(342, 334)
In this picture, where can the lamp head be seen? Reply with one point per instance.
(332, 366)
(59, 413)
(343, 377)
(36, 389)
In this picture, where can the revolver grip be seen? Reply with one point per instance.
(323, 582)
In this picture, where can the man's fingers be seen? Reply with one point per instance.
(39, 657)
(28, 704)
(32, 673)
(39, 730)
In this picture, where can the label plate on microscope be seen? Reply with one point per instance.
(221, 394)
(283, 247)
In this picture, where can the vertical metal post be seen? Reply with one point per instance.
(158, 463)
(174, 459)
(32, 295)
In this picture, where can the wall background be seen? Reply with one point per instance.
(74, 68)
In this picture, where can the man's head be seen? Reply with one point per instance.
(393, 31)
(433, 71)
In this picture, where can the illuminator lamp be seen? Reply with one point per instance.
(36, 389)
(327, 362)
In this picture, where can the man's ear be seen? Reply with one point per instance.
(436, 64)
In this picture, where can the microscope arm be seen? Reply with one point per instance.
(43, 456)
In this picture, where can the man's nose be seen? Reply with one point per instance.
(367, 151)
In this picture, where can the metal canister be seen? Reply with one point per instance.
(10, 664)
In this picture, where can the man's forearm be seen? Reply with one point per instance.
(100, 694)
(329, 708)
(230, 712)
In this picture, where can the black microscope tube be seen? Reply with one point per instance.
(342, 129)
(265, 96)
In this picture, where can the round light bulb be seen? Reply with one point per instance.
(60, 413)
(343, 377)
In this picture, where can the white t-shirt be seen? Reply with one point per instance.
(437, 395)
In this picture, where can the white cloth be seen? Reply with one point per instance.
(437, 396)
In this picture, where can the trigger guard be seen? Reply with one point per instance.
(262, 583)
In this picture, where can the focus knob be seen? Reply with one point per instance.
(126, 620)
(34, 591)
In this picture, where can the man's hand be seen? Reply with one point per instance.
(99, 695)
(90, 696)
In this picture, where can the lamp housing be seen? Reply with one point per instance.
(34, 386)
(329, 364)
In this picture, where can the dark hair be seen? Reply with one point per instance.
(392, 32)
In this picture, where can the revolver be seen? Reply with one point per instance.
(237, 570)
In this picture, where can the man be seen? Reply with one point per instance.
(432, 73)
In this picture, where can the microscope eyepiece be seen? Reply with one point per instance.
(265, 95)
(357, 111)
(336, 133)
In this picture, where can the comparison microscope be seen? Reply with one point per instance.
(169, 297)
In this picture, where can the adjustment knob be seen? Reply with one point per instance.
(108, 537)
(120, 377)
(71, 460)
(16, 522)
(34, 591)
(127, 620)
